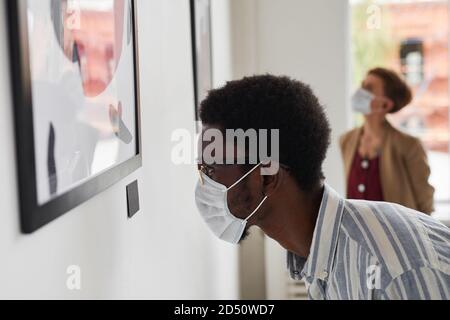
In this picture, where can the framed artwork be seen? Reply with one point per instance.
(202, 50)
(76, 101)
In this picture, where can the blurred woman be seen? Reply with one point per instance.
(381, 162)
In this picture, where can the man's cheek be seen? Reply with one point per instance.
(240, 204)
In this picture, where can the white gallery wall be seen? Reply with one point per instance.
(165, 252)
(310, 41)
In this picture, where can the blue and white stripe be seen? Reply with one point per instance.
(374, 250)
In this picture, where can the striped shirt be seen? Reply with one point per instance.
(374, 250)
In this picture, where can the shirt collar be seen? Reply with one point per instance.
(325, 238)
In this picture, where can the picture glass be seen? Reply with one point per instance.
(83, 90)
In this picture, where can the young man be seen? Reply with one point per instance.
(343, 249)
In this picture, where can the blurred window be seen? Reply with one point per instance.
(411, 37)
(411, 57)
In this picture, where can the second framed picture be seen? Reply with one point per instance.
(202, 50)
(76, 101)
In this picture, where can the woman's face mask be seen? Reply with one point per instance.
(362, 101)
(211, 199)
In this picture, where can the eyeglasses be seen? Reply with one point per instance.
(209, 170)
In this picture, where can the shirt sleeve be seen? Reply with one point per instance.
(419, 284)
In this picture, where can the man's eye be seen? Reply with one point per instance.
(207, 170)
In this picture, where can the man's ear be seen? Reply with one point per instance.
(271, 178)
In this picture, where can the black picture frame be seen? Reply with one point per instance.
(200, 8)
(32, 215)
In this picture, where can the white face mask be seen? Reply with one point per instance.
(362, 100)
(211, 199)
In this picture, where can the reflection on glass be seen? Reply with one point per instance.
(90, 33)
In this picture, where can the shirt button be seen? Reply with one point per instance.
(325, 275)
(365, 164)
(361, 188)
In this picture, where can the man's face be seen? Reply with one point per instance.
(245, 196)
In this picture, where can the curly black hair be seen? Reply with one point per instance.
(276, 102)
